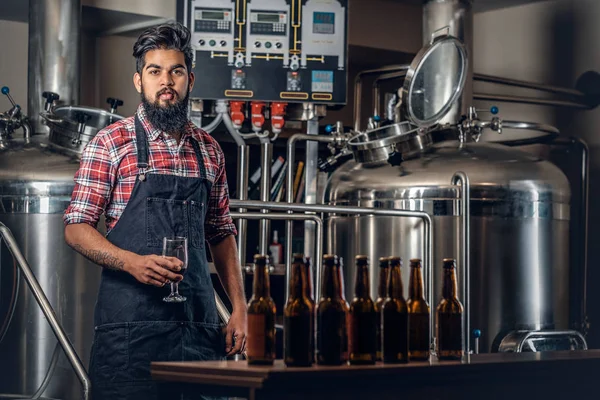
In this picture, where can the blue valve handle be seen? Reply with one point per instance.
(6, 91)
(494, 110)
(328, 128)
(376, 118)
(476, 333)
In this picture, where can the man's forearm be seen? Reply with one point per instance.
(224, 256)
(91, 244)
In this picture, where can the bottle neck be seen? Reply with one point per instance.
(296, 282)
(383, 282)
(261, 285)
(307, 276)
(331, 286)
(361, 286)
(395, 283)
(415, 289)
(450, 288)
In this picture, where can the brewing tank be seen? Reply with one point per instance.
(36, 182)
(519, 243)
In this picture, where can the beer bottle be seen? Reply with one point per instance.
(450, 317)
(332, 312)
(395, 317)
(381, 295)
(418, 314)
(362, 328)
(298, 317)
(308, 294)
(260, 339)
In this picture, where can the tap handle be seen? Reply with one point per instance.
(114, 103)
(6, 92)
(50, 97)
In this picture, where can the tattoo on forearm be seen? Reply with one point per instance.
(101, 258)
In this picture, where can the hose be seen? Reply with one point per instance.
(213, 124)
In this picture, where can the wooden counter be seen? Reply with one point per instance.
(558, 375)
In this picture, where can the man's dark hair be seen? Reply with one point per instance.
(170, 36)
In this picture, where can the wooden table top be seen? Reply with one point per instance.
(240, 374)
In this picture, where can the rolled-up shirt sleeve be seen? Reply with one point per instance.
(94, 181)
(218, 224)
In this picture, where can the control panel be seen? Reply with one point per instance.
(268, 50)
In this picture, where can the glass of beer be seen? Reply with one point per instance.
(176, 247)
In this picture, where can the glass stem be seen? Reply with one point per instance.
(176, 288)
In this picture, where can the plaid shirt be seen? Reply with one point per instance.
(108, 172)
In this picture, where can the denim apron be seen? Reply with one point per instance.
(133, 326)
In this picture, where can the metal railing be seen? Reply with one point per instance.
(47, 309)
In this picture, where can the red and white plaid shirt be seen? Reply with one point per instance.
(108, 172)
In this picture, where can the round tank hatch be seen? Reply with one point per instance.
(430, 71)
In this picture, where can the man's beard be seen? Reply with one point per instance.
(170, 118)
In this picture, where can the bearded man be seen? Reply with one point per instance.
(155, 175)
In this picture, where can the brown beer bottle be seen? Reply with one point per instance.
(332, 313)
(381, 295)
(395, 317)
(450, 317)
(418, 314)
(308, 294)
(261, 316)
(298, 317)
(362, 328)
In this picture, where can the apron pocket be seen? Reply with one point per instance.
(110, 359)
(197, 224)
(205, 342)
(165, 218)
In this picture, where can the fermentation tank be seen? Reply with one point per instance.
(519, 207)
(36, 182)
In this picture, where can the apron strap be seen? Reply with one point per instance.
(201, 166)
(141, 144)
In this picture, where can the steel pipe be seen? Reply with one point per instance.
(376, 88)
(47, 309)
(528, 85)
(463, 179)
(291, 152)
(530, 100)
(321, 208)
(54, 52)
(293, 217)
(242, 189)
(266, 153)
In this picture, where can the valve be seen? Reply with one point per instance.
(257, 115)
(82, 118)
(328, 129)
(6, 92)
(236, 110)
(277, 114)
(50, 98)
(114, 103)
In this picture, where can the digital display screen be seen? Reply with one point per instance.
(214, 15)
(324, 23)
(274, 18)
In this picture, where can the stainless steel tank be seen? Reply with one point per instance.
(519, 229)
(36, 183)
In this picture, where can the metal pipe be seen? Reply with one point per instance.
(54, 52)
(585, 173)
(463, 179)
(358, 88)
(530, 100)
(294, 217)
(376, 87)
(47, 309)
(321, 208)
(266, 153)
(457, 15)
(528, 85)
(291, 151)
(242, 189)
(310, 183)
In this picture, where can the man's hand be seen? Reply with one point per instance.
(154, 269)
(236, 330)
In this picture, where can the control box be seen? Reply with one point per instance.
(268, 50)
